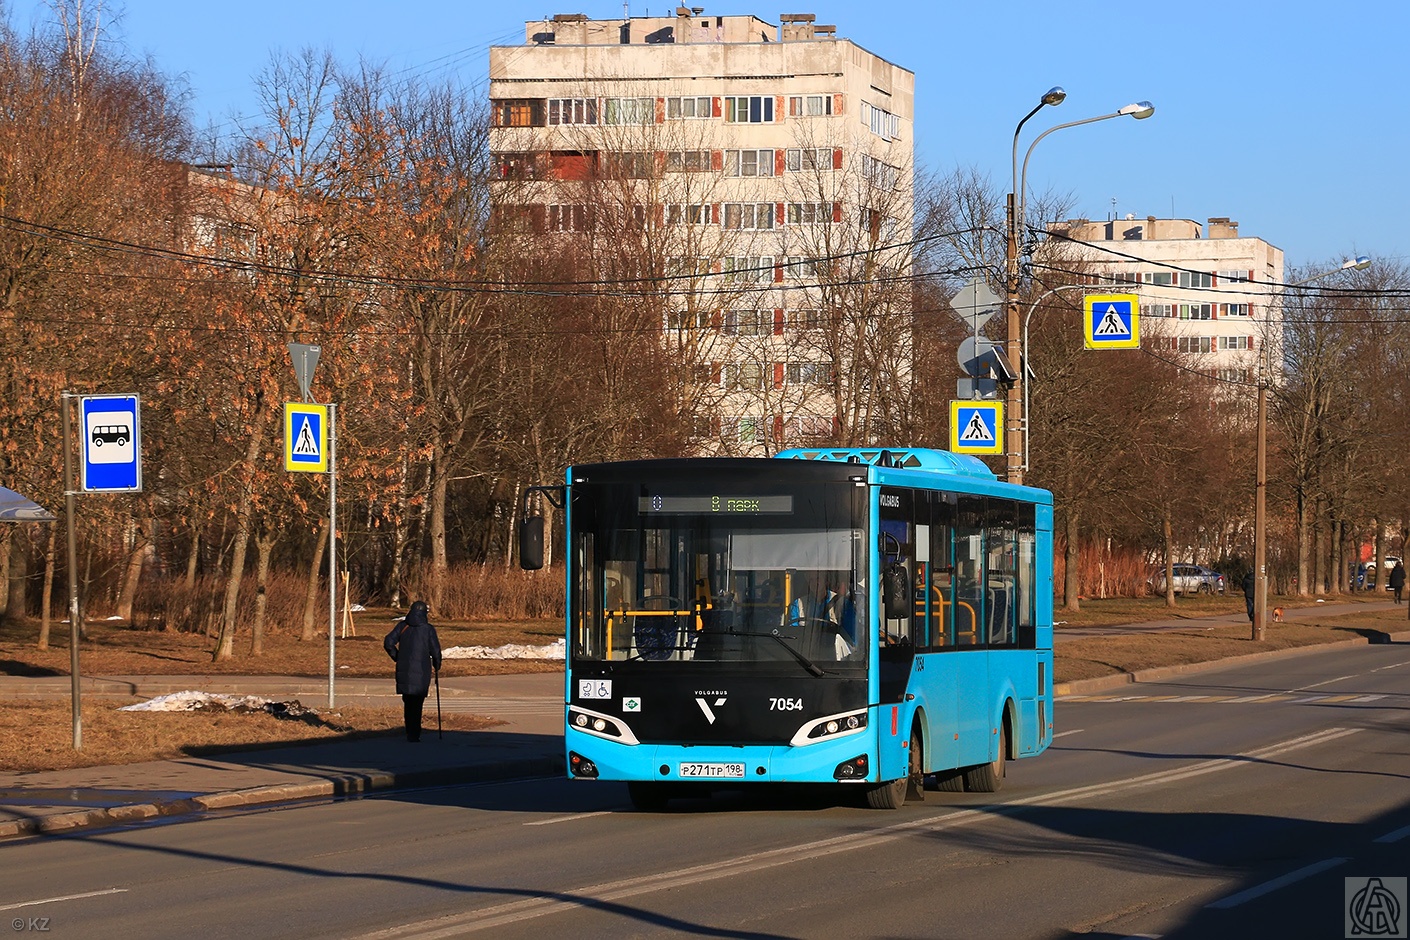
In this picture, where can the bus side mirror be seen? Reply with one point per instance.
(895, 592)
(531, 543)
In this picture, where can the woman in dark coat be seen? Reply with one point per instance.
(414, 646)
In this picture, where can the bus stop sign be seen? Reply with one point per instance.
(110, 432)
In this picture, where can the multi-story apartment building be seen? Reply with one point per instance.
(762, 176)
(1214, 294)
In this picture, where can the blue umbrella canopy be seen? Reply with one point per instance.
(16, 508)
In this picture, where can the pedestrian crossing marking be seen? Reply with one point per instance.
(977, 432)
(306, 445)
(1112, 325)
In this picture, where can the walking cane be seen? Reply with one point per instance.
(437, 673)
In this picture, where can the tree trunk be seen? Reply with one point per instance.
(46, 606)
(1071, 576)
(311, 595)
(264, 546)
(142, 547)
(225, 642)
(6, 536)
(1168, 539)
(1319, 550)
(439, 562)
(17, 608)
(1304, 545)
(193, 559)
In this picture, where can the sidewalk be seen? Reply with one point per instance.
(529, 743)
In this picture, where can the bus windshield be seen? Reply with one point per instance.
(714, 574)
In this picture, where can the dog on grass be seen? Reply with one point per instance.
(1277, 615)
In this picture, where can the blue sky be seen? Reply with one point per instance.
(1288, 117)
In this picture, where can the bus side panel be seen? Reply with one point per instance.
(934, 686)
(1044, 579)
(1016, 677)
(971, 672)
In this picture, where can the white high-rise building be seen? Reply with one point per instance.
(764, 170)
(1212, 293)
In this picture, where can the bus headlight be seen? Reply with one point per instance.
(830, 727)
(600, 725)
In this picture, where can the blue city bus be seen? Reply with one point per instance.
(879, 619)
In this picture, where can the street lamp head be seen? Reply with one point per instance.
(1054, 96)
(1359, 263)
(1140, 110)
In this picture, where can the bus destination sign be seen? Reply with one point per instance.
(733, 505)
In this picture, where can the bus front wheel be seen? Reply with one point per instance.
(893, 793)
(988, 778)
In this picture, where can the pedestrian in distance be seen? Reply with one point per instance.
(416, 649)
(1250, 588)
(1397, 580)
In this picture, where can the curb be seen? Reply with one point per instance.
(336, 786)
(1159, 673)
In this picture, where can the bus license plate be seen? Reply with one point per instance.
(712, 770)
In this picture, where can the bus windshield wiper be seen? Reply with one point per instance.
(803, 661)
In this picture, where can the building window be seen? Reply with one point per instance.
(749, 215)
(1157, 310)
(746, 376)
(686, 320)
(691, 213)
(628, 110)
(808, 158)
(880, 175)
(566, 218)
(518, 112)
(1159, 278)
(804, 321)
(809, 213)
(1196, 344)
(687, 161)
(809, 373)
(1196, 279)
(518, 166)
(572, 111)
(627, 165)
(1235, 277)
(749, 163)
(749, 109)
(1196, 311)
(881, 122)
(1235, 310)
(809, 105)
(687, 267)
(1236, 342)
(747, 323)
(752, 270)
(801, 269)
(691, 107)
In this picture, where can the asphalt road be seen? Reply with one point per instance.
(1235, 803)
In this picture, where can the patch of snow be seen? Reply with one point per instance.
(357, 607)
(554, 650)
(192, 701)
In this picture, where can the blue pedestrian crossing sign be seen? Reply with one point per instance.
(1112, 321)
(110, 429)
(977, 427)
(305, 437)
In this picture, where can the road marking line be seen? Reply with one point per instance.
(1063, 734)
(1234, 900)
(1308, 688)
(1306, 699)
(559, 819)
(458, 924)
(66, 897)
(1368, 698)
(1395, 836)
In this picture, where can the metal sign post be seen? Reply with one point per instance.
(67, 408)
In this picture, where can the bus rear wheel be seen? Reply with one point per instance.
(947, 781)
(988, 778)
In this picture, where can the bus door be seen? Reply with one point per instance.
(971, 612)
(896, 636)
(936, 682)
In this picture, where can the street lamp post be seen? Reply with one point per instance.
(1014, 406)
(1260, 486)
